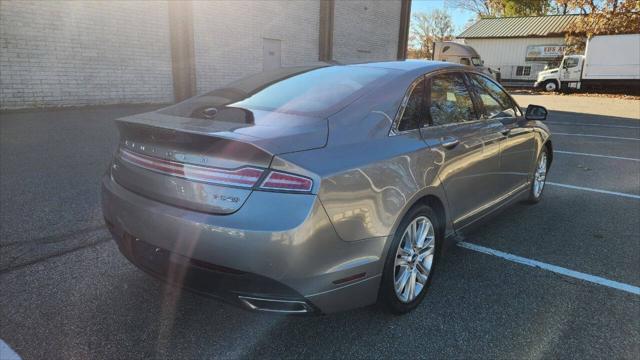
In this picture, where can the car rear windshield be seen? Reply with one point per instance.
(315, 91)
(310, 91)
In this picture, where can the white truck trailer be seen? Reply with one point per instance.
(608, 61)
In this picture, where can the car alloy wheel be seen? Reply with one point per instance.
(414, 259)
(540, 175)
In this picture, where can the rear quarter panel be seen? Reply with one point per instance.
(369, 199)
(368, 178)
(366, 188)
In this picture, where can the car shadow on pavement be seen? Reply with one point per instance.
(469, 312)
(594, 119)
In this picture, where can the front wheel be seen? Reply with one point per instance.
(539, 177)
(550, 86)
(410, 261)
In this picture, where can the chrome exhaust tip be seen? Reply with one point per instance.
(276, 306)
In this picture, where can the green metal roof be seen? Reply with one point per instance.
(519, 27)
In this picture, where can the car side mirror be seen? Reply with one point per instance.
(536, 112)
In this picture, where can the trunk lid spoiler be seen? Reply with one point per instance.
(203, 164)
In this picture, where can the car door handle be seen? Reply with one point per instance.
(450, 142)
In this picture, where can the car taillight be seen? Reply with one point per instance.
(246, 177)
(243, 177)
(286, 182)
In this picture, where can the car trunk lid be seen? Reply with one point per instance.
(205, 164)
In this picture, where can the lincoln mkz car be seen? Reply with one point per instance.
(324, 188)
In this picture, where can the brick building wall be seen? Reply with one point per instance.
(75, 53)
(57, 53)
(232, 33)
(366, 30)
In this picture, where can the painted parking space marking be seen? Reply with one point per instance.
(553, 268)
(631, 196)
(595, 155)
(599, 125)
(597, 136)
(7, 353)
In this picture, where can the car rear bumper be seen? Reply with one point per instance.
(277, 247)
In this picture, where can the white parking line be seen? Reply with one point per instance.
(556, 269)
(631, 196)
(600, 125)
(595, 155)
(597, 136)
(6, 352)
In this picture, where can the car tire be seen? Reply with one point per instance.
(550, 86)
(393, 273)
(539, 178)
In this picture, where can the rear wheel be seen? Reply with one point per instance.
(539, 177)
(410, 261)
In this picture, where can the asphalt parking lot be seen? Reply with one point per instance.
(68, 293)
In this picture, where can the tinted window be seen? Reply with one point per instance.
(496, 101)
(414, 111)
(449, 100)
(313, 91)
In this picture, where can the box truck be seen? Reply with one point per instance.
(608, 61)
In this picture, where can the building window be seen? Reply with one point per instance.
(523, 71)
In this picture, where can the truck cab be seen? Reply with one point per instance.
(569, 73)
(454, 52)
(571, 68)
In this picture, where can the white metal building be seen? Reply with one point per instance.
(519, 47)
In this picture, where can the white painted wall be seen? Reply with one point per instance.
(507, 54)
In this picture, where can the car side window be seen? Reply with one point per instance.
(449, 100)
(413, 115)
(570, 62)
(496, 102)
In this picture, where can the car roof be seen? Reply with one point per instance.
(411, 65)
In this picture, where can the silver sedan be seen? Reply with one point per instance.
(321, 189)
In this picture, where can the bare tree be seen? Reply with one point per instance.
(420, 35)
(442, 25)
(482, 8)
(496, 8)
(426, 29)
